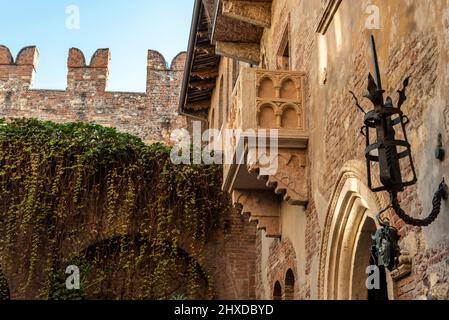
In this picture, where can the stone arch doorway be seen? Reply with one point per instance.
(346, 242)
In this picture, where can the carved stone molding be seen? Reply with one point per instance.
(404, 268)
(291, 176)
(263, 207)
(281, 92)
(353, 170)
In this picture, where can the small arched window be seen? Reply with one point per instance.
(277, 291)
(267, 117)
(289, 285)
(289, 118)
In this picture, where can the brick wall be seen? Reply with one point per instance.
(231, 259)
(151, 115)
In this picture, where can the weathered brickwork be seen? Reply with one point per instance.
(312, 237)
(429, 279)
(151, 115)
(259, 287)
(340, 134)
(416, 57)
(232, 259)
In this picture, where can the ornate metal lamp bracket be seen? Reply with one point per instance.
(388, 150)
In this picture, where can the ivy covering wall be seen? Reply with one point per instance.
(134, 224)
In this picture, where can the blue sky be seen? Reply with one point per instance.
(128, 27)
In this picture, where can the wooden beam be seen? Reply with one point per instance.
(198, 105)
(246, 52)
(202, 35)
(256, 13)
(202, 84)
(205, 74)
(205, 50)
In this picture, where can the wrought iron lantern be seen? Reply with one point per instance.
(388, 149)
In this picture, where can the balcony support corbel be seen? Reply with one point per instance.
(291, 177)
(246, 52)
(263, 207)
(253, 12)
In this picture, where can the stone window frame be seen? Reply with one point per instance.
(285, 40)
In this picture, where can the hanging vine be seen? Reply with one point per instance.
(134, 223)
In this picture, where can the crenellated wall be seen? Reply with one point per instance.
(151, 115)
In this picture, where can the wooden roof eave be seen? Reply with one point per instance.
(201, 66)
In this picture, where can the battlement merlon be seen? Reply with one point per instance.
(90, 78)
(160, 74)
(20, 72)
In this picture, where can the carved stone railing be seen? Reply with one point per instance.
(270, 103)
(269, 100)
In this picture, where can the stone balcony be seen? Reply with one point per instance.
(270, 102)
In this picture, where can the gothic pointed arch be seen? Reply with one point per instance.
(289, 285)
(277, 291)
(346, 240)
